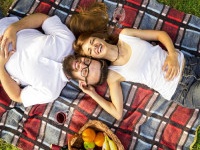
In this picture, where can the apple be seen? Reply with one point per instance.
(89, 145)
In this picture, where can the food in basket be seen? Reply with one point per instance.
(109, 144)
(88, 135)
(89, 145)
(77, 142)
(92, 138)
(99, 139)
(105, 145)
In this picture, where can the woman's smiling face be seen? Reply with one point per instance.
(94, 47)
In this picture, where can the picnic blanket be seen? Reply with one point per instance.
(149, 121)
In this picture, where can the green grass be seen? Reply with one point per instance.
(196, 144)
(187, 6)
(4, 5)
(6, 146)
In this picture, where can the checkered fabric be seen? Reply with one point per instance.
(149, 121)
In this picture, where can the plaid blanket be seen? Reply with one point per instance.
(149, 122)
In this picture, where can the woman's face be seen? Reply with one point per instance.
(94, 47)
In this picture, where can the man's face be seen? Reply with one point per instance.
(87, 70)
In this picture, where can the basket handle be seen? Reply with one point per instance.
(70, 140)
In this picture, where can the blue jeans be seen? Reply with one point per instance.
(187, 93)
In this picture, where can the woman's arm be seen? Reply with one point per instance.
(171, 65)
(29, 22)
(115, 107)
(10, 86)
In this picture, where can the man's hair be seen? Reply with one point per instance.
(67, 65)
(104, 72)
(68, 68)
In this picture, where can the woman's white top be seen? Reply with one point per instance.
(145, 66)
(37, 62)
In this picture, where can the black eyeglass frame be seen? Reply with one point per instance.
(87, 63)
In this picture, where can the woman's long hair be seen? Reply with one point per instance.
(92, 19)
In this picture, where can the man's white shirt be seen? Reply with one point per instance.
(37, 62)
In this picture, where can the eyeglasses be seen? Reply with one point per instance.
(85, 71)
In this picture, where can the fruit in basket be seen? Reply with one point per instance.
(99, 139)
(109, 144)
(89, 145)
(105, 144)
(88, 135)
(112, 144)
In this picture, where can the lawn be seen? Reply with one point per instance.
(6, 146)
(187, 6)
(4, 5)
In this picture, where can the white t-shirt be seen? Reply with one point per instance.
(37, 62)
(145, 66)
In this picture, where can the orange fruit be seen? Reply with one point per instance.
(88, 135)
(99, 139)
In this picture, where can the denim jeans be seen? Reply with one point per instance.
(187, 93)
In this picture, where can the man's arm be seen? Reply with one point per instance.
(10, 86)
(29, 22)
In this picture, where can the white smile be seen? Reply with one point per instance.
(99, 49)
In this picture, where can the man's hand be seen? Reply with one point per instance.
(11, 87)
(171, 66)
(3, 58)
(8, 38)
(32, 21)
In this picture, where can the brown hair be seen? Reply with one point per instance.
(68, 69)
(104, 72)
(67, 65)
(77, 45)
(91, 19)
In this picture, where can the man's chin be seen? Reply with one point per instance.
(93, 83)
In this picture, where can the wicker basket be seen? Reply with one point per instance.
(76, 142)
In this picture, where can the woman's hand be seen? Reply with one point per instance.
(88, 89)
(8, 38)
(171, 66)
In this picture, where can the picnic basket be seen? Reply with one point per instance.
(76, 142)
